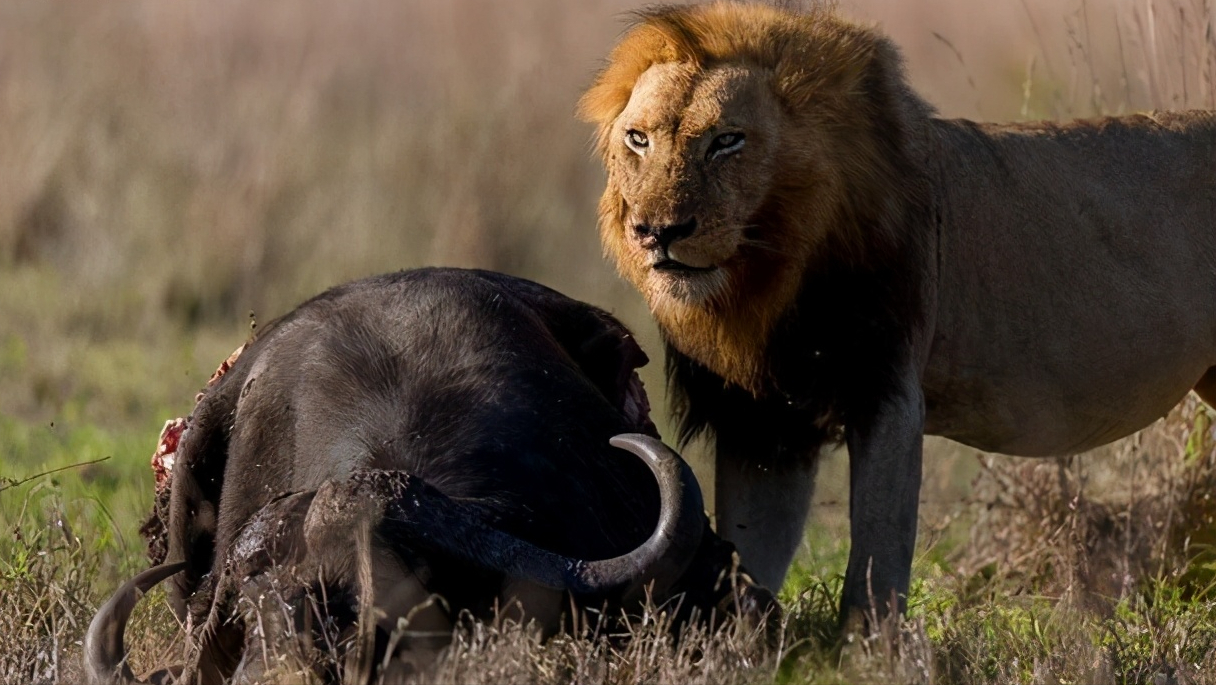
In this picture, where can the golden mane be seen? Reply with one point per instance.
(848, 117)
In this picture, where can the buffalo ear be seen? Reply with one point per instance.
(609, 357)
(605, 351)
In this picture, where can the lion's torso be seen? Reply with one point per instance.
(1076, 297)
(1071, 292)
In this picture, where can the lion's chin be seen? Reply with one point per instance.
(668, 285)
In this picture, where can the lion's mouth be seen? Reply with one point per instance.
(671, 266)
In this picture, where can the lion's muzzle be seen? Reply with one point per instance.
(664, 249)
(660, 236)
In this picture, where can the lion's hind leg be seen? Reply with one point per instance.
(1206, 387)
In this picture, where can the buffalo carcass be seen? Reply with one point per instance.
(438, 432)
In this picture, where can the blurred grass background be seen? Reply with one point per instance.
(172, 172)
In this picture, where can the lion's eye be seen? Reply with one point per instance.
(725, 144)
(637, 141)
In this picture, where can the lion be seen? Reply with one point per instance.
(828, 261)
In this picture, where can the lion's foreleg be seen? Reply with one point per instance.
(762, 500)
(884, 495)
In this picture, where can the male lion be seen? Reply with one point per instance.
(828, 261)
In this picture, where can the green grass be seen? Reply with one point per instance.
(101, 498)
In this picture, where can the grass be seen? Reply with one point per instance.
(170, 169)
(1035, 580)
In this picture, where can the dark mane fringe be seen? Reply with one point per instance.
(833, 357)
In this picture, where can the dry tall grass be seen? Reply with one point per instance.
(167, 168)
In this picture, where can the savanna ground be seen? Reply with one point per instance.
(170, 171)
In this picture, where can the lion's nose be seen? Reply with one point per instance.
(663, 235)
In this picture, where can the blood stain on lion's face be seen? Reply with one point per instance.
(692, 155)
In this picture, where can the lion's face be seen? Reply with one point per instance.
(690, 161)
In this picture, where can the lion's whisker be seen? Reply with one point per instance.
(759, 244)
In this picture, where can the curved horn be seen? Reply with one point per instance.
(416, 511)
(669, 550)
(105, 656)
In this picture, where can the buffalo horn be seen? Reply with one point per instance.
(427, 519)
(105, 655)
